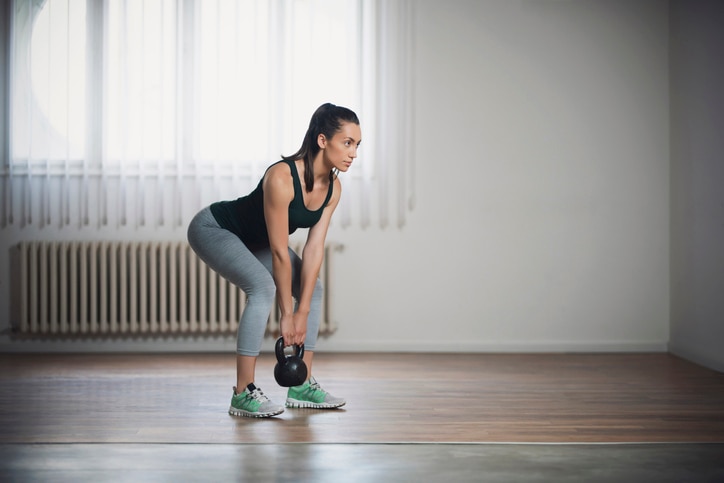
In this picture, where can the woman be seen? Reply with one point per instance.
(247, 241)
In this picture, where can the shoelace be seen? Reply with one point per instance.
(259, 395)
(314, 386)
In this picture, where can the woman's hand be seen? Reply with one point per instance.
(294, 328)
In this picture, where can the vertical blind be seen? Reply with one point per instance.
(140, 112)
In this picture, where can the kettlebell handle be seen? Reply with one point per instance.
(279, 350)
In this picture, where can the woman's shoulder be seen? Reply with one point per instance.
(278, 177)
(279, 170)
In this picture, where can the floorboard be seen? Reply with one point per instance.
(392, 398)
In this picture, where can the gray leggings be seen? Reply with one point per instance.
(251, 271)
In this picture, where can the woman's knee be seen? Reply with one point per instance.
(263, 288)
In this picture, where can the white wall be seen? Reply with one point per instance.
(543, 182)
(697, 178)
(542, 215)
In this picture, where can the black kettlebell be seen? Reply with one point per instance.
(290, 370)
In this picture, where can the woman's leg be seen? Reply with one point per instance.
(226, 254)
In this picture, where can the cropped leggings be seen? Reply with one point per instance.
(251, 271)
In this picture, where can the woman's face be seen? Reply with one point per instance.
(341, 150)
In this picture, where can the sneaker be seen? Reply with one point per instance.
(252, 403)
(311, 395)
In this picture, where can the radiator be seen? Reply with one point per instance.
(129, 289)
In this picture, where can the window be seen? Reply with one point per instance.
(126, 90)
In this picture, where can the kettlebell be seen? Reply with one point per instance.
(290, 370)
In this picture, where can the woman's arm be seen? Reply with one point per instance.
(313, 253)
(278, 193)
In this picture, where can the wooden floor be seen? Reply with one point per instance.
(392, 398)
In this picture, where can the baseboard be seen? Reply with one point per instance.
(326, 344)
(480, 346)
(118, 345)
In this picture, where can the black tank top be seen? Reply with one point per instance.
(245, 216)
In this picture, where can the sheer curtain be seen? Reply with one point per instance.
(140, 112)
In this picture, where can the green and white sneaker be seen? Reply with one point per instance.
(311, 395)
(252, 403)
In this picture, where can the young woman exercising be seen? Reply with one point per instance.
(247, 242)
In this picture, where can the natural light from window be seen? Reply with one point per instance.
(216, 81)
(58, 72)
